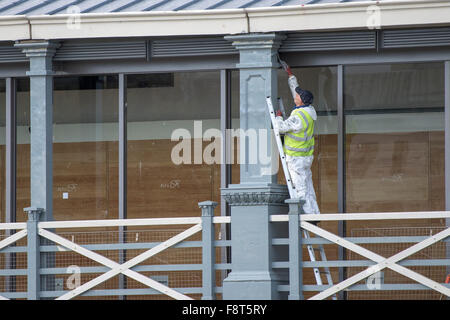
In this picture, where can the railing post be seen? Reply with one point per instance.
(208, 250)
(295, 249)
(33, 253)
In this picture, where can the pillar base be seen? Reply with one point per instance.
(252, 276)
(253, 285)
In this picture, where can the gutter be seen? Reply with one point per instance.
(314, 17)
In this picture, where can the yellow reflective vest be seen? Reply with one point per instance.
(300, 144)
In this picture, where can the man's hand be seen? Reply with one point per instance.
(279, 114)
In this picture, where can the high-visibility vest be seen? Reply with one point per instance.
(300, 144)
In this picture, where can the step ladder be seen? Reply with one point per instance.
(291, 188)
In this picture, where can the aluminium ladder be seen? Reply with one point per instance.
(291, 188)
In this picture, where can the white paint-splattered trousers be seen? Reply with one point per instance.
(300, 170)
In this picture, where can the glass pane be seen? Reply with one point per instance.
(170, 168)
(395, 137)
(85, 142)
(322, 82)
(395, 160)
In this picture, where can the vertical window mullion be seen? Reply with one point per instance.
(11, 131)
(447, 137)
(225, 166)
(122, 170)
(447, 149)
(10, 205)
(341, 169)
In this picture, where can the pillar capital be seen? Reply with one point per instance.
(256, 40)
(36, 48)
(40, 54)
(257, 50)
(295, 206)
(33, 213)
(207, 208)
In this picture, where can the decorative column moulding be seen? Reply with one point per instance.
(249, 197)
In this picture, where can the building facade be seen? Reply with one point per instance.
(132, 109)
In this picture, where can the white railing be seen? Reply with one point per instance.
(58, 245)
(298, 222)
(122, 247)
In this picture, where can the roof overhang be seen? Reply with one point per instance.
(319, 17)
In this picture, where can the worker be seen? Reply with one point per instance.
(299, 144)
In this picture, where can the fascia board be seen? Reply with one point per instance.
(14, 28)
(351, 15)
(319, 17)
(136, 24)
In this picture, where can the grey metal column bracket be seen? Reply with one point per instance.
(295, 249)
(208, 250)
(33, 253)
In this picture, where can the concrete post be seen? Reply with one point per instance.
(208, 250)
(33, 253)
(258, 195)
(40, 54)
(295, 249)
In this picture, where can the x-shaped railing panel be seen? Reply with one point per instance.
(382, 262)
(124, 268)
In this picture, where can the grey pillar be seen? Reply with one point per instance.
(258, 195)
(208, 250)
(41, 117)
(33, 253)
(40, 54)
